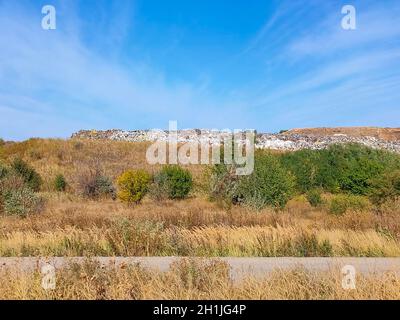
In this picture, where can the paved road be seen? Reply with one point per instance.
(239, 266)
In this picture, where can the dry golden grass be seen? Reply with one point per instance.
(192, 280)
(71, 226)
(63, 210)
(153, 240)
(67, 210)
(69, 157)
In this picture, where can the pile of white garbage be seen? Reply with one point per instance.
(301, 141)
(279, 141)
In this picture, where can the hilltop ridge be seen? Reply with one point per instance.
(389, 134)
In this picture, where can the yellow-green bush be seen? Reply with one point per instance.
(133, 185)
(314, 197)
(340, 203)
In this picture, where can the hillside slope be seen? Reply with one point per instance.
(388, 134)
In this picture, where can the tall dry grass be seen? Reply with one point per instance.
(64, 210)
(192, 280)
(71, 226)
(124, 238)
(72, 157)
(67, 210)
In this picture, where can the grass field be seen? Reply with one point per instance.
(194, 227)
(72, 225)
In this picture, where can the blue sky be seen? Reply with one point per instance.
(265, 65)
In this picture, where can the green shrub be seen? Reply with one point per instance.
(31, 177)
(270, 184)
(93, 184)
(358, 165)
(349, 168)
(305, 166)
(173, 182)
(16, 196)
(341, 203)
(21, 202)
(133, 185)
(60, 184)
(314, 197)
(386, 187)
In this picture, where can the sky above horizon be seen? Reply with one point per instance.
(217, 64)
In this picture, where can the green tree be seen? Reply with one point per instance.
(60, 184)
(173, 182)
(31, 177)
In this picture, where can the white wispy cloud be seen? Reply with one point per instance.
(338, 76)
(375, 26)
(56, 82)
(55, 75)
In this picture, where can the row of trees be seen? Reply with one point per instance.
(353, 170)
